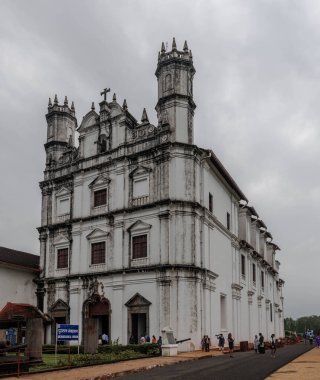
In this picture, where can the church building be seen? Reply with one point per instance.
(142, 229)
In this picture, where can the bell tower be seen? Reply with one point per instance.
(61, 126)
(175, 105)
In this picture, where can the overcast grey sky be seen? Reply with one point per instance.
(257, 90)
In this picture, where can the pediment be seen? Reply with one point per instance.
(100, 180)
(140, 170)
(97, 233)
(139, 225)
(88, 120)
(59, 305)
(137, 300)
(60, 239)
(63, 191)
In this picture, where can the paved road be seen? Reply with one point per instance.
(243, 366)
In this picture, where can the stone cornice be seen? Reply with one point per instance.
(145, 269)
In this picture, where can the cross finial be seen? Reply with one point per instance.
(104, 93)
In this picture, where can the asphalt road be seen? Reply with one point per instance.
(243, 366)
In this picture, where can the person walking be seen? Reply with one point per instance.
(231, 344)
(273, 346)
(256, 344)
(207, 343)
(262, 349)
(318, 339)
(105, 338)
(221, 341)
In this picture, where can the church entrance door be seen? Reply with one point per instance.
(138, 325)
(96, 323)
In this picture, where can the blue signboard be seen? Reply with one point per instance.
(67, 332)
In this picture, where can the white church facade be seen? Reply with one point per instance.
(142, 229)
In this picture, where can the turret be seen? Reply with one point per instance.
(175, 73)
(61, 126)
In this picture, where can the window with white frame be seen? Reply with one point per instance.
(262, 280)
(98, 253)
(254, 273)
(100, 197)
(139, 241)
(99, 194)
(243, 266)
(223, 311)
(139, 246)
(97, 248)
(62, 258)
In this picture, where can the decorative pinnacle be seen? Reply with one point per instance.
(185, 47)
(65, 101)
(114, 98)
(144, 117)
(49, 103)
(174, 45)
(72, 106)
(55, 99)
(124, 105)
(92, 106)
(163, 49)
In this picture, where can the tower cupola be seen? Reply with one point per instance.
(61, 126)
(175, 73)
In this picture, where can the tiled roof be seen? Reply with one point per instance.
(22, 311)
(19, 259)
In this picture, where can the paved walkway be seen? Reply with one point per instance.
(108, 371)
(305, 367)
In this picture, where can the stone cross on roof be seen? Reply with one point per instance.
(104, 92)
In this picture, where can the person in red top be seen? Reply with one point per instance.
(154, 339)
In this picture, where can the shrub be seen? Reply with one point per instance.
(61, 349)
(148, 349)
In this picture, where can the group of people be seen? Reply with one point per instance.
(259, 345)
(145, 339)
(206, 343)
(309, 336)
(103, 339)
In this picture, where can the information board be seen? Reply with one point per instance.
(67, 332)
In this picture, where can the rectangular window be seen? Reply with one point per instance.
(223, 312)
(98, 253)
(62, 258)
(254, 273)
(139, 246)
(228, 221)
(100, 198)
(262, 279)
(210, 202)
(243, 266)
(140, 187)
(271, 312)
